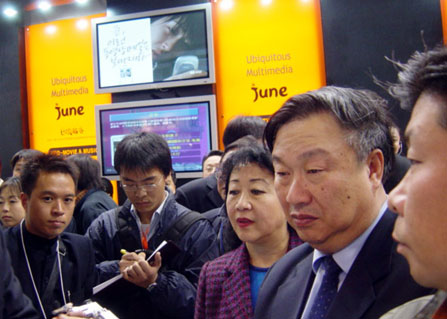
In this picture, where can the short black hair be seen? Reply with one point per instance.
(241, 126)
(89, 171)
(424, 72)
(211, 153)
(143, 151)
(45, 163)
(107, 186)
(362, 113)
(244, 141)
(174, 176)
(26, 154)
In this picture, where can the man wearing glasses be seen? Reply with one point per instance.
(168, 287)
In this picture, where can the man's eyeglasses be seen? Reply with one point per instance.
(133, 188)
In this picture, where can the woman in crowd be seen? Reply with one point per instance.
(11, 208)
(228, 286)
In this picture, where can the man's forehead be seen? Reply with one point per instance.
(425, 113)
(133, 173)
(50, 183)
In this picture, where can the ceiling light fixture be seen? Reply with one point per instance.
(10, 12)
(44, 5)
(51, 29)
(82, 24)
(82, 1)
(226, 4)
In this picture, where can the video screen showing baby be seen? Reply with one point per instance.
(153, 49)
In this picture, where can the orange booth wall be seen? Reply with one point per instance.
(265, 52)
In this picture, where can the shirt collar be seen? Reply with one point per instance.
(158, 211)
(346, 257)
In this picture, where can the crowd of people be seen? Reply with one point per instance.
(314, 214)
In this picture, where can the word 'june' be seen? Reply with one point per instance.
(269, 92)
(68, 111)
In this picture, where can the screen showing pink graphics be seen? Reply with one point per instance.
(187, 124)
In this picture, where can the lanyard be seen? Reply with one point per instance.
(52, 279)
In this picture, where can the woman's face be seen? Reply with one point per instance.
(164, 35)
(253, 207)
(11, 209)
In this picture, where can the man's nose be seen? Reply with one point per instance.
(58, 207)
(298, 192)
(396, 199)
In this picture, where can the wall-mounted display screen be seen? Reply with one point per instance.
(187, 124)
(153, 49)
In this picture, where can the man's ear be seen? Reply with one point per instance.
(376, 166)
(24, 199)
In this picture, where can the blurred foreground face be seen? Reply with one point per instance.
(11, 208)
(420, 200)
(252, 205)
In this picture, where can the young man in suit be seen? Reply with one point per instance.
(53, 267)
(331, 150)
(420, 199)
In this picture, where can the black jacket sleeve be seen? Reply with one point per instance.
(13, 303)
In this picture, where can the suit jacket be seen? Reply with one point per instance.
(199, 195)
(13, 303)
(224, 285)
(94, 203)
(77, 264)
(378, 281)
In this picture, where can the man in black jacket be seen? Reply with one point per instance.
(13, 303)
(166, 288)
(54, 268)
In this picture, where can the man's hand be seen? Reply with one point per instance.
(138, 271)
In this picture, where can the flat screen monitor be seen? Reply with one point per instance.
(153, 49)
(187, 124)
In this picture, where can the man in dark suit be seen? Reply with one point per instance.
(200, 195)
(53, 267)
(331, 151)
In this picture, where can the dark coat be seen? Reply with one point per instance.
(77, 264)
(13, 303)
(224, 285)
(175, 293)
(94, 203)
(378, 281)
(199, 195)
